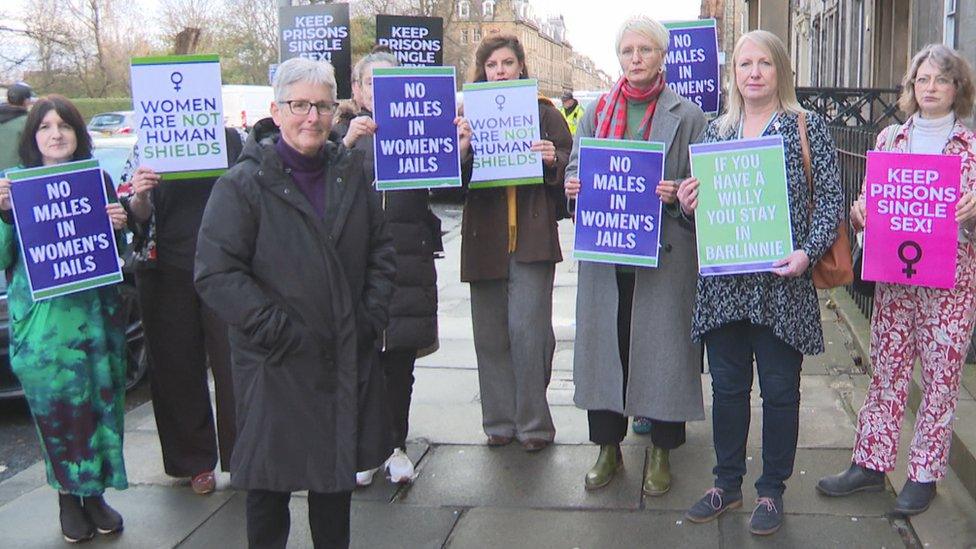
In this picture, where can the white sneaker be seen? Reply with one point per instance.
(365, 478)
(399, 467)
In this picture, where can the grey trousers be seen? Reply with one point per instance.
(514, 342)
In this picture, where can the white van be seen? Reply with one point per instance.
(245, 105)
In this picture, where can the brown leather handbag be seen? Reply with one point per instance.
(835, 268)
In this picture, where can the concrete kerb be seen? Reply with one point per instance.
(961, 457)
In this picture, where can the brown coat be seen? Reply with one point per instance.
(484, 228)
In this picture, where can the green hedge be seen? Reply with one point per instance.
(91, 106)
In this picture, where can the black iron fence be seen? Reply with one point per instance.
(855, 115)
(852, 146)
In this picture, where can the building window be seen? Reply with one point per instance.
(464, 36)
(949, 29)
(464, 9)
(488, 8)
(477, 35)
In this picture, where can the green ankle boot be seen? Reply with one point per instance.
(657, 474)
(606, 466)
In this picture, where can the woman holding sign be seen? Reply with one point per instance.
(69, 351)
(509, 251)
(932, 325)
(413, 308)
(648, 367)
(770, 317)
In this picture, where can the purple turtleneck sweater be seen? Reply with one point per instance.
(308, 173)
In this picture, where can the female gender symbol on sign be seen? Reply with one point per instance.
(176, 78)
(500, 101)
(908, 270)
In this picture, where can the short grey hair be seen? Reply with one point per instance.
(300, 69)
(646, 27)
(359, 71)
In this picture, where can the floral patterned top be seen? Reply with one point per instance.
(787, 305)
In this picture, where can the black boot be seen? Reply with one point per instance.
(105, 519)
(75, 526)
(914, 498)
(855, 479)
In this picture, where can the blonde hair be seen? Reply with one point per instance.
(646, 27)
(951, 64)
(785, 92)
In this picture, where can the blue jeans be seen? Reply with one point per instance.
(731, 349)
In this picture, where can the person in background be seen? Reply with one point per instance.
(69, 351)
(914, 323)
(413, 310)
(183, 335)
(294, 255)
(509, 251)
(634, 353)
(771, 318)
(13, 116)
(571, 110)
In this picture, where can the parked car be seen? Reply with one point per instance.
(108, 124)
(245, 105)
(111, 154)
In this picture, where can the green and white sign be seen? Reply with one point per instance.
(504, 118)
(743, 215)
(179, 115)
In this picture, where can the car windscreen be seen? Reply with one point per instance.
(106, 121)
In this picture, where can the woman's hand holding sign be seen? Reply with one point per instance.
(548, 150)
(464, 134)
(858, 214)
(360, 126)
(667, 191)
(144, 180)
(116, 214)
(572, 188)
(792, 265)
(688, 196)
(966, 210)
(5, 203)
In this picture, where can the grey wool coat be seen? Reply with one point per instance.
(665, 364)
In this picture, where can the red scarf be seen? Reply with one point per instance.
(612, 109)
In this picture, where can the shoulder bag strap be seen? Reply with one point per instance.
(805, 149)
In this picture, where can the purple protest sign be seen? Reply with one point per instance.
(618, 214)
(416, 144)
(911, 234)
(66, 238)
(692, 62)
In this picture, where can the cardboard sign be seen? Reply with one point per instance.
(66, 237)
(911, 234)
(319, 32)
(416, 143)
(415, 41)
(504, 118)
(179, 115)
(618, 213)
(743, 218)
(692, 62)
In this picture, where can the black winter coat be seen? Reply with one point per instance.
(416, 233)
(293, 288)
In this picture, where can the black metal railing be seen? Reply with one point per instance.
(858, 107)
(852, 146)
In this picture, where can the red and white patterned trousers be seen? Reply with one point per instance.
(931, 325)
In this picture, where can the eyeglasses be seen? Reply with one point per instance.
(643, 51)
(301, 107)
(940, 81)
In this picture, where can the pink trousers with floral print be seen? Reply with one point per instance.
(933, 326)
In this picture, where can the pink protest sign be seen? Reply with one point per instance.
(911, 233)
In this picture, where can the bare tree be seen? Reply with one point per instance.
(176, 16)
(248, 40)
